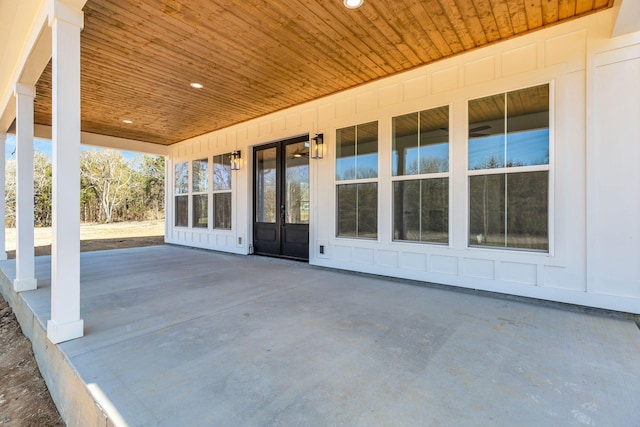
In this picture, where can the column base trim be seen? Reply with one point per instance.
(58, 333)
(21, 285)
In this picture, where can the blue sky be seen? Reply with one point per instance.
(530, 147)
(44, 146)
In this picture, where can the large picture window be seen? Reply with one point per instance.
(181, 184)
(199, 187)
(508, 161)
(420, 171)
(357, 181)
(222, 191)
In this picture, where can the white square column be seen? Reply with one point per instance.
(3, 181)
(25, 258)
(66, 23)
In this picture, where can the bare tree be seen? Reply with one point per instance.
(108, 174)
(42, 186)
(10, 193)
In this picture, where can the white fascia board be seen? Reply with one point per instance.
(627, 18)
(104, 141)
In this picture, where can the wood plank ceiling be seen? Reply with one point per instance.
(255, 57)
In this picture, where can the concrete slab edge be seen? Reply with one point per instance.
(69, 393)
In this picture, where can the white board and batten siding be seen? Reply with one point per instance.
(594, 169)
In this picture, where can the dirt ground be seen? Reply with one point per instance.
(98, 237)
(24, 397)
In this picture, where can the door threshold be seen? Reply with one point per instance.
(291, 258)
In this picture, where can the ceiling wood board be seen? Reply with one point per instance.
(255, 57)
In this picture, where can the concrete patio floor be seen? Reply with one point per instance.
(178, 336)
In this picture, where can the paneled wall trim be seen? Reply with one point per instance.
(593, 135)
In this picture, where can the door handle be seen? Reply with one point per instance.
(282, 215)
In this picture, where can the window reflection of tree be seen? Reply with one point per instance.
(421, 210)
(200, 172)
(182, 178)
(222, 172)
(222, 210)
(181, 207)
(199, 184)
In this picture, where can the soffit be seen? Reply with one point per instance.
(255, 57)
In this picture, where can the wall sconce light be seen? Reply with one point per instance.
(317, 146)
(235, 160)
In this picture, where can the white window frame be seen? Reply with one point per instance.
(356, 181)
(549, 168)
(422, 176)
(194, 193)
(177, 194)
(213, 192)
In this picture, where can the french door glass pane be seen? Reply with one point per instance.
(200, 211)
(222, 210)
(266, 208)
(297, 183)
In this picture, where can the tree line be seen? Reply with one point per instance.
(112, 188)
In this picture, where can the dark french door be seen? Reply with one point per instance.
(281, 199)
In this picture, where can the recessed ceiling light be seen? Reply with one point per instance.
(353, 4)
(197, 85)
(127, 121)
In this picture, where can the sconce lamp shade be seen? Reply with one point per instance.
(235, 160)
(317, 146)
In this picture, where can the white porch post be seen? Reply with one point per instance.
(66, 23)
(3, 180)
(25, 259)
